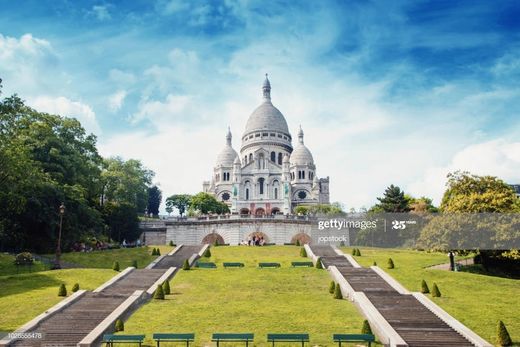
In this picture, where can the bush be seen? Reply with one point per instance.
(134, 263)
(159, 293)
(24, 258)
(303, 252)
(75, 287)
(207, 253)
(503, 335)
(337, 292)
(157, 251)
(154, 251)
(342, 244)
(319, 265)
(366, 328)
(332, 287)
(115, 266)
(186, 265)
(436, 293)
(354, 251)
(62, 291)
(171, 243)
(390, 264)
(424, 287)
(215, 243)
(166, 287)
(298, 243)
(374, 264)
(119, 326)
(358, 252)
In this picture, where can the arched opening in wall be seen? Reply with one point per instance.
(260, 211)
(261, 181)
(211, 238)
(247, 193)
(280, 158)
(244, 211)
(258, 235)
(275, 210)
(302, 237)
(273, 157)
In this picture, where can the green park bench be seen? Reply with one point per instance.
(206, 265)
(339, 338)
(241, 337)
(226, 265)
(302, 264)
(262, 265)
(301, 338)
(110, 339)
(163, 337)
(289, 244)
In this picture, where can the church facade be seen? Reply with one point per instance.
(269, 175)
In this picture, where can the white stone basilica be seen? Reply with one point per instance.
(269, 176)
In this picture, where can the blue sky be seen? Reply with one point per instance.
(386, 92)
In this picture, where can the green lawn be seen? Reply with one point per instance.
(249, 299)
(105, 259)
(23, 297)
(478, 301)
(7, 266)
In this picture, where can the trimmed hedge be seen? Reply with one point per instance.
(119, 325)
(366, 328)
(62, 291)
(424, 287)
(207, 253)
(159, 293)
(298, 243)
(134, 263)
(75, 287)
(171, 243)
(390, 264)
(115, 266)
(332, 287)
(337, 292)
(303, 252)
(319, 265)
(503, 337)
(166, 287)
(186, 265)
(436, 293)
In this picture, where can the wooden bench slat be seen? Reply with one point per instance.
(288, 337)
(302, 263)
(262, 265)
(174, 336)
(206, 265)
(228, 264)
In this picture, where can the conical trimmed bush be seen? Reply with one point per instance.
(134, 263)
(366, 328)
(186, 265)
(503, 337)
(207, 253)
(159, 293)
(119, 325)
(319, 265)
(436, 293)
(166, 288)
(75, 287)
(115, 266)
(337, 292)
(298, 243)
(424, 287)
(358, 252)
(303, 252)
(332, 287)
(390, 264)
(354, 251)
(62, 291)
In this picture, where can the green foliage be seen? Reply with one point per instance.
(159, 293)
(24, 258)
(154, 200)
(206, 203)
(179, 201)
(366, 328)
(154, 251)
(354, 251)
(297, 243)
(186, 265)
(421, 205)
(393, 200)
(171, 243)
(215, 243)
(390, 264)
(358, 252)
(75, 287)
(374, 264)
(62, 291)
(303, 252)
(332, 287)
(166, 287)
(319, 209)
(424, 287)
(122, 220)
(337, 292)
(207, 253)
(157, 251)
(503, 337)
(436, 293)
(134, 263)
(115, 266)
(119, 326)
(319, 265)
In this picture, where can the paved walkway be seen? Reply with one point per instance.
(69, 326)
(415, 323)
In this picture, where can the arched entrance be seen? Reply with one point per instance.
(244, 211)
(258, 235)
(260, 212)
(302, 237)
(211, 238)
(275, 210)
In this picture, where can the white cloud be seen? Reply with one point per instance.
(121, 78)
(65, 107)
(115, 101)
(101, 12)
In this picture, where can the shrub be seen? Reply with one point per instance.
(157, 251)
(153, 251)
(354, 251)
(332, 287)
(374, 264)
(358, 252)
(207, 253)
(115, 266)
(303, 252)
(503, 335)
(319, 265)
(159, 293)
(134, 263)
(436, 293)
(62, 291)
(24, 258)
(186, 265)
(166, 287)
(298, 243)
(424, 287)
(337, 292)
(366, 328)
(215, 243)
(119, 326)
(342, 244)
(171, 243)
(75, 287)
(390, 264)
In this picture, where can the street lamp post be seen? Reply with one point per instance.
(57, 264)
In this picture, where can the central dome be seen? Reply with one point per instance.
(266, 116)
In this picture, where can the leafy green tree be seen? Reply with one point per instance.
(179, 201)
(207, 203)
(62, 291)
(393, 200)
(122, 221)
(154, 200)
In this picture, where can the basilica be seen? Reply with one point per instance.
(269, 176)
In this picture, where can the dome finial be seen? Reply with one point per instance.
(300, 135)
(266, 87)
(228, 136)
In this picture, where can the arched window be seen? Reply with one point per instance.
(250, 157)
(280, 158)
(247, 193)
(273, 157)
(261, 185)
(245, 159)
(303, 174)
(299, 175)
(276, 193)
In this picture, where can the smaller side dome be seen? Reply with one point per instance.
(301, 154)
(227, 156)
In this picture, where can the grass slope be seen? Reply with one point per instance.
(249, 299)
(23, 297)
(478, 301)
(7, 266)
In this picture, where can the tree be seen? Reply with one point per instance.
(422, 205)
(62, 291)
(393, 200)
(332, 287)
(122, 221)
(424, 287)
(319, 265)
(186, 265)
(503, 337)
(159, 293)
(166, 287)
(154, 200)
(115, 266)
(337, 292)
(207, 203)
(436, 293)
(390, 264)
(179, 201)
